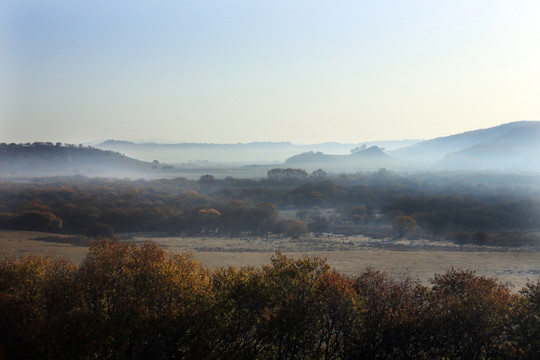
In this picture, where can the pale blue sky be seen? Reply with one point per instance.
(241, 71)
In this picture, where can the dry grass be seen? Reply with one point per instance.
(418, 259)
(23, 243)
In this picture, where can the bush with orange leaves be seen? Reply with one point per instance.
(136, 301)
(126, 300)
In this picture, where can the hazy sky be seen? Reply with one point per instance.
(241, 71)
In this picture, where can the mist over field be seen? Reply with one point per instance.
(235, 154)
(509, 148)
(489, 197)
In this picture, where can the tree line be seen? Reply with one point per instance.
(136, 301)
(242, 206)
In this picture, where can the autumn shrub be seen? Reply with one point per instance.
(142, 300)
(528, 330)
(290, 309)
(471, 316)
(241, 301)
(313, 308)
(127, 300)
(37, 299)
(391, 323)
(136, 301)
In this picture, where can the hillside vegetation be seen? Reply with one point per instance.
(48, 159)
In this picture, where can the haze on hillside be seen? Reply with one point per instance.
(239, 71)
(512, 148)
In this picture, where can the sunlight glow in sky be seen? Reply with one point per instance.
(242, 71)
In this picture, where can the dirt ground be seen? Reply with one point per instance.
(418, 259)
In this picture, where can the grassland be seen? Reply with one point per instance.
(417, 259)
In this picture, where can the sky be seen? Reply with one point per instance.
(244, 71)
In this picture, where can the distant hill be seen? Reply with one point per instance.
(241, 153)
(516, 149)
(514, 142)
(46, 159)
(509, 147)
(371, 158)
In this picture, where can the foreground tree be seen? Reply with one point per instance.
(313, 309)
(391, 323)
(297, 309)
(528, 333)
(471, 316)
(141, 302)
(38, 296)
(136, 301)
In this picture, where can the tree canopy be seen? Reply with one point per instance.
(136, 301)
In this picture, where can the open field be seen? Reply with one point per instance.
(23, 243)
(419, 260)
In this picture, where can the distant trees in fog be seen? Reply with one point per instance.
(235, 206)
(288, 176)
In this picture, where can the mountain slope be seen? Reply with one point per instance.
(517, 149)
(45, 159)
(434, 150)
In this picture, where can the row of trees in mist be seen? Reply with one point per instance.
(236, 206)
(136, 301)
